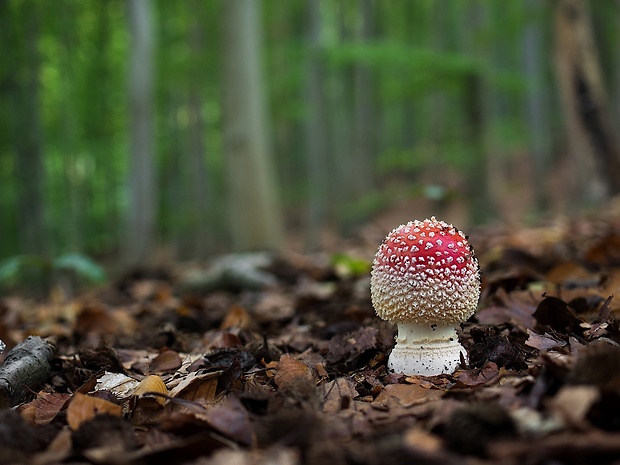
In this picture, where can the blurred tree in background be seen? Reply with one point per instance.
(149, 129)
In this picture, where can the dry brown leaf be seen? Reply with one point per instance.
(95, 319)
(145, 408)
(486, 375)
(152, 384)
(290, 371)
(543, 341)
(44, 408)
(237, 317)
(570, 272)
(230, 419)
(405, 395)
(165, 361)
(274, 306)
(84, 408)
(338, 393)
(417, 439)
(57, 451)
(572, 403)
(198, 388)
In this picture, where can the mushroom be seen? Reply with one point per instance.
(426, 279)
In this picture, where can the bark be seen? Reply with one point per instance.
(437, 99)
(254, 210)
(315, 131)
(364, 123)
(142, 191)
(584, 100)
(537, 105)
(25, 368)
(198, 177)
(495, 110)
(477, 186)
(341, 131)
(481, 165)
(26, 134)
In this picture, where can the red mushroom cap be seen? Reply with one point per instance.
(425, 272)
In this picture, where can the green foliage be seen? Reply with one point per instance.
(83, 266)
(425, 60)
(425, 69)
(39, 271)
(347, 266)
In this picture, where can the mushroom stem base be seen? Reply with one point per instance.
(426, 350)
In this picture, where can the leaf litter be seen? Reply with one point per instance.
(286, 364)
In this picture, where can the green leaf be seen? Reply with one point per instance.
(81, 265)
(346, 265)
(9, 269)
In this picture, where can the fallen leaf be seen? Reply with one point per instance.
(237, 317)
(289, 370)
(572, 403)
(405, 395)
(165, 361)
(418, 439)
(118, 383)
(338, 392)
(543, 341)
(556, 314)
(152, 384)
(229, 418)
(200, 388)
(486, 375)
(57, 451)
(84, 408)
(44, 408)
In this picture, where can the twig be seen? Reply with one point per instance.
(26, 366)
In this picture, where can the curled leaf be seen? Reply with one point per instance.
(152, 384)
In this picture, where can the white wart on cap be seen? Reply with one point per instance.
(426, 279)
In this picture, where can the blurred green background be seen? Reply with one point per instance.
(134, 131)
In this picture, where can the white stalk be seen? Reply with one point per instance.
(426, 349)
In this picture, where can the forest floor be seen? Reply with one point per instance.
(288, 366)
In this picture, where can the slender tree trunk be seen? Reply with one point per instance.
(341, 132)
(537, 104)
(255, 216)
(315, 130)
(476, 110)
(584, 101)
(142, 191)
(27, 136)
(436, 101)
(364, 123)
(201, 240)
(495, 112)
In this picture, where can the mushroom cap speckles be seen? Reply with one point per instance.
(425, 272)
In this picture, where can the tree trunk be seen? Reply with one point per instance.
(255, 216)
(340, 131)
(142, 191)
(26, 134)
(584, 100)
(476, 111)
(537, 104)
(315, 131)
(364, 123)
(199, 179)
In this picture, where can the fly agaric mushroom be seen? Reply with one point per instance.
(426, 279)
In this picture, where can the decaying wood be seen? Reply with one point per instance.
(26, 366)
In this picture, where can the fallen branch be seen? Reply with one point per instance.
(26, 366)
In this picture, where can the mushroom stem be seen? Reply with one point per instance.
(426, 349)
